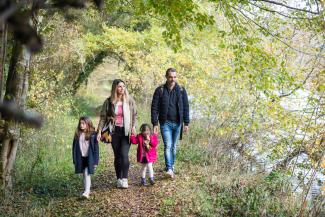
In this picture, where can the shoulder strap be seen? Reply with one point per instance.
(108, 103)
(161, 87)
(182, 90)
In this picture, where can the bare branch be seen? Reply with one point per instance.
(270, 33)
(295, 153)
(282, 14)
(298, 86)
(305, 80)
(287, 6)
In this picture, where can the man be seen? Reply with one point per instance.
(170, 106)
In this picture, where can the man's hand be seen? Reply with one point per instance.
(155, 129)
(185, 129)
(98, 137)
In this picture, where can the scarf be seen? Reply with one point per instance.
(127, 117)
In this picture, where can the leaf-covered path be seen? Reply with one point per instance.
(107, 200)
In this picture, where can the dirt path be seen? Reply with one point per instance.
(107, 200)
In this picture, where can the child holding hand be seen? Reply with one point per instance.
(146, 151)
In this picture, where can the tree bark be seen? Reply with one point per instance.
(16, 92)
(14, 79)
(3, 56)
(8, 156)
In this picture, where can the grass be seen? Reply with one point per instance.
(206, 184)
(216, 186)
(43, 168)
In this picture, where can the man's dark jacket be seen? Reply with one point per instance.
(160, 103)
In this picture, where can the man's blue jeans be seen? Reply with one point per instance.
(170, 132)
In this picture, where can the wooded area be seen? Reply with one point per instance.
(253, 69)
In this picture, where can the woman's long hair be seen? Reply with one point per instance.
(89, 130)
(125, 97)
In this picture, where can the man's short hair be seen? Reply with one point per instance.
(170, 70)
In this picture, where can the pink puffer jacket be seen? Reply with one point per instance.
(152, 153)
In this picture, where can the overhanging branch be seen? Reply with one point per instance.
(287, 6)
(270, 33)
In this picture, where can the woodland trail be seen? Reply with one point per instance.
(107, 200)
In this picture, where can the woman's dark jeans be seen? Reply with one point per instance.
(121, 147)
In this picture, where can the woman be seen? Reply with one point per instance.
(119, 113)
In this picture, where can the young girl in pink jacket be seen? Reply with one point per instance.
(146, 152)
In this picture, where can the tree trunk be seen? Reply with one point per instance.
(8, 156)
(16, 92)
(3, 30)
(14, 79)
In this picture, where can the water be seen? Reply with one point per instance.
(297, 103)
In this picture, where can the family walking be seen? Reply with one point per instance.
(117, 125)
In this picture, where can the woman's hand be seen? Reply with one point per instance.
(98, 137)
(133, 131)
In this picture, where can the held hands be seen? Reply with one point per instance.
(155, 129)
(133, 132)
(98, 137)
(185, 130)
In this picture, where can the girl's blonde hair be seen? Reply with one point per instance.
(125, 97)
(89, 130)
